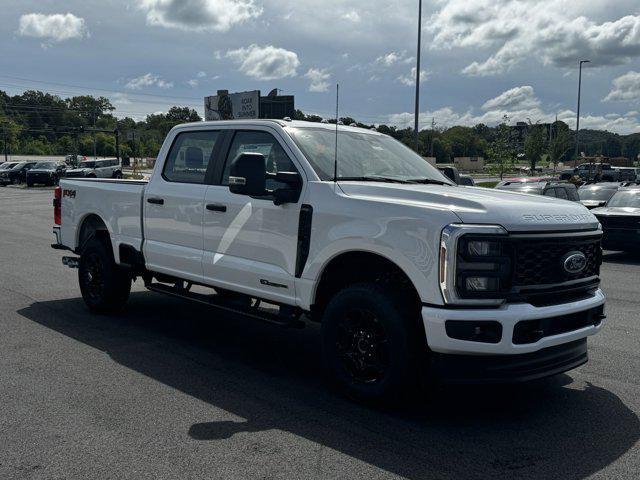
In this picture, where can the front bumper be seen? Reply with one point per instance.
(507, 316)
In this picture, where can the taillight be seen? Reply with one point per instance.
(57, 206)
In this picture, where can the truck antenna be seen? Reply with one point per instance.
(335, 161)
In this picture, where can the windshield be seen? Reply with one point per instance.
(87, 165)
(625, 198)
(601, 194)
(7, 166)
(18, 166)
(45, 165)
(362, 156)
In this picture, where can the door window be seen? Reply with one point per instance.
(264, 143)
(189, 157)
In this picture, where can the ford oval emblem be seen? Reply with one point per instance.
(574, 262)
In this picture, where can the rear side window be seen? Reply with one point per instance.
(189, 157)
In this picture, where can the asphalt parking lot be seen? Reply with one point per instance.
(171, 389)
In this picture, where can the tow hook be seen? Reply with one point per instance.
(71, 262)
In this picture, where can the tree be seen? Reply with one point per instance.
(534, 144)
(559, 144)
(501, 151)
(182, 115)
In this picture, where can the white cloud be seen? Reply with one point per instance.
(410, 78)
(521, 30)
(519, 104)
(265, 63)
(147, 80)
(193, 83)
(218, 15)
(515, 98)
(319, 79)
(625, 88)
(391, 58)
(201, 74)
(351, 16)
(55, 28)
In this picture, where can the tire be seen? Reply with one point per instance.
(373, 344)
(105, 286)
(117, 174)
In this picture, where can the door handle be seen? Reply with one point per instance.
(156, 201)
(216, 207)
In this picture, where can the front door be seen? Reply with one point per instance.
(250, 243)
(174, 206)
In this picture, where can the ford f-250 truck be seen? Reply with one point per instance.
(410, 275)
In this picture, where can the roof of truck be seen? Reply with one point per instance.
(282, 123)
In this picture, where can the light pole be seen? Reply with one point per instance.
(418, 73)
(575, 161)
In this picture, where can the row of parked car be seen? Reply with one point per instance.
(615, 204)
(50, 172)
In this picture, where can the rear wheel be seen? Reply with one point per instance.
(105, 286)
(373, 344)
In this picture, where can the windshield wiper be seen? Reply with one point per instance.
(428, 181)
(373, 179)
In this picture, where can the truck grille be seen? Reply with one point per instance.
(621, 222)
(539, 262)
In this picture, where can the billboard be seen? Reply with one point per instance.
(230, 106)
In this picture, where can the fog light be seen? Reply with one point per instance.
(478, 248)
(481, 284)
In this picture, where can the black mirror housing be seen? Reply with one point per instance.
(248, 174)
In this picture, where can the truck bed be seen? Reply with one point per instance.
(118, 203)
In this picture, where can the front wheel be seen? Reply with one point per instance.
(105, 286)
(373, 343)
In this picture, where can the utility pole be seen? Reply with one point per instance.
(575, 161)
(433, 131)
(417, 114)
(117, 134)
(4, 135)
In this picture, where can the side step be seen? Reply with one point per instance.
(213, 300)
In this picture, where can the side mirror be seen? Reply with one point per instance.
(248, 175)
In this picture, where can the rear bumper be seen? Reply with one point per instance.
(509, 368)
(508, 316)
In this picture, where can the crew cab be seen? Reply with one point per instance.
(410, 275)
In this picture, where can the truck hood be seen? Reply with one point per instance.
(616, 211)
(514, 211)
(41, 170)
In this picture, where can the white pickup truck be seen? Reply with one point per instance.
(410, 275)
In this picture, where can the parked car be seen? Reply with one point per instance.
(15, 175)
(596, 195)
(466, 181)
(408, 273)
(565, 191)
(599, 172)
(7, 165)
(521, 180)
(46, 173)
(620, 220)
(107, 168)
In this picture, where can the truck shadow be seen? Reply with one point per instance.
(273, 379)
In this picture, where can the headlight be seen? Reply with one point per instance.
(475, 264)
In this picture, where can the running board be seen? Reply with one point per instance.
(256, 313)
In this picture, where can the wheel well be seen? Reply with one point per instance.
(91, 226)
(356, 267)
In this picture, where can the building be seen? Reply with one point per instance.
(244, 105)
(469, 164)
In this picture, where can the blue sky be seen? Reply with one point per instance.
(481, 59)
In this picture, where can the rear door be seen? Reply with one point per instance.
(174, 205)
(250, 243)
